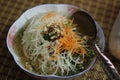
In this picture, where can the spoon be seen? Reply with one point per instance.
(86, 25)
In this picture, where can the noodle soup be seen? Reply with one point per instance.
(50, 44)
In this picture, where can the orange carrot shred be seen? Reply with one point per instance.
(70, 41)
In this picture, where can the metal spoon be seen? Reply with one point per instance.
(87, 26)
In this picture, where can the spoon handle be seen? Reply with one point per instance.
(107, 65)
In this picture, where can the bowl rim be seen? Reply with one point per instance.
(49, 76)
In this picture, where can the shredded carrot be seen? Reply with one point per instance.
(70, 41)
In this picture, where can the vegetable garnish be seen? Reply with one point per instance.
(70, 41)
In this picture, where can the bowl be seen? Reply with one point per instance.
(64, 9)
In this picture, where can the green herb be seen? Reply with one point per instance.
(47, 37)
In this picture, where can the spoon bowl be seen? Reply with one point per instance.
(85, 23)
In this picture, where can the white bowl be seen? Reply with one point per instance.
(64, 9)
